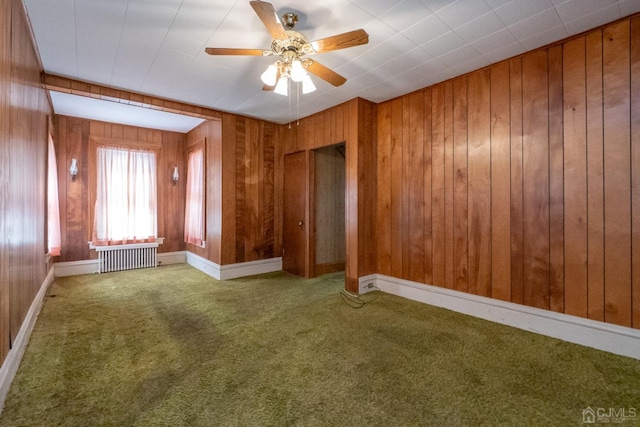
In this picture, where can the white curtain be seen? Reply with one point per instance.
(53, 205)
(194, 210)
(126, 198)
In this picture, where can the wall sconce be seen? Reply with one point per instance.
(175, 176)
(73, 170)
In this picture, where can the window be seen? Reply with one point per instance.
(53, 205)
(126, 199)
(194, 207)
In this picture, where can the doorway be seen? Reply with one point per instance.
(328, 236)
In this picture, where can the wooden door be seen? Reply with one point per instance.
(294, 226)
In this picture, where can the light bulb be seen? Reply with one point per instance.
(281, 87)
(269, 76)
(297, 71)
(307, 85)
(73, 170)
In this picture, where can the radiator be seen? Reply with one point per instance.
(126, 257)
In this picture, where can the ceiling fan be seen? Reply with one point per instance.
(292, 48)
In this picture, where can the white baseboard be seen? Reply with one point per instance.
(12, 362)
(76, 268)
(204, 265)
(243, 269)
(615, 339)
(233, 271)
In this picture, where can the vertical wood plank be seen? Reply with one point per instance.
(428, 185)
(517, 198)
(268, 190)
(479, 190)
(384, 189)
(438, 185)
(535, 160)
(556, 182)
(396, 188)
(460, 198)
(575, 175)
(536, 180)
(617, 178)
(406, 191)
(500, 183)
(415, 178)
(595, 176)
(449, 184)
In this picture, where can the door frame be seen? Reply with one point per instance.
(312, 230)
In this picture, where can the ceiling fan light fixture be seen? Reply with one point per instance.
(270, 75)
(307, 85)
(297, 71)
(281, 87)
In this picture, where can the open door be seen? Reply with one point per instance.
(293, 215)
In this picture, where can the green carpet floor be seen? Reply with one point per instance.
(173, 347)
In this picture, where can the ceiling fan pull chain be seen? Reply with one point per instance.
(289, 99)
(297, 104)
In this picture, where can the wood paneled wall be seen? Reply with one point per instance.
(244, 205)
(76, 206)
(521, 181)
(24, 112)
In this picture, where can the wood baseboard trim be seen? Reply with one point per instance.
(329, 267)
(615, 339)
(14, 357)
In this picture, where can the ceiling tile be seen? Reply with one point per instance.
(458, 56)
(405, 14)
(462, 12)
(426, 30)
(376, 7)
(480, 27)
(444, 44)
(593, 19)
(436, 5)
(544, 37)
(494, 41)
(503, 51)
(627, 7)
(517, 10)
(539, 23)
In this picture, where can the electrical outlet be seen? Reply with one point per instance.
(367, 284)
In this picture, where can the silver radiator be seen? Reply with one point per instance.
(126, 257)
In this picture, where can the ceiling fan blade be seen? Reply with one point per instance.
(341, 41)
(269, 18)
(326, 74)
(232, 51)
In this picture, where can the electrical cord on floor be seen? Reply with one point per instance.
(356, 301)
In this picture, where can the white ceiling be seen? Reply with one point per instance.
(156, 47)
